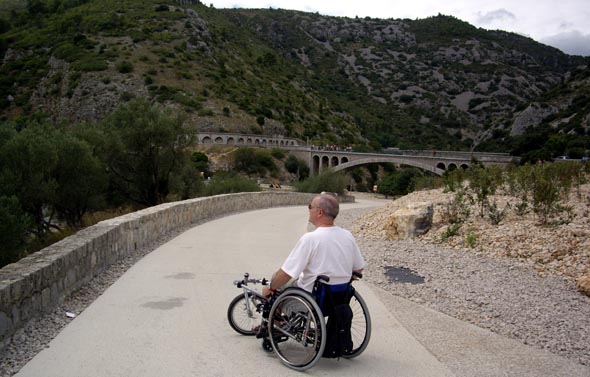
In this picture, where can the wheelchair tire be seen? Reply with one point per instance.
(297, 329)
(361, 326)
(240, 318)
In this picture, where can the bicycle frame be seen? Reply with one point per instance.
(250, 291)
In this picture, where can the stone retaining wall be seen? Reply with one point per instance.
(41, 281)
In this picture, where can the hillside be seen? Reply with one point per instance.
(432, 83)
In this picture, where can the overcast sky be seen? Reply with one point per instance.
(564, 24)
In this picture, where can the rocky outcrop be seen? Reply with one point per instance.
(531, 116)
(409, 222)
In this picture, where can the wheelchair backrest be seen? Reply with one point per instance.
(327, 296)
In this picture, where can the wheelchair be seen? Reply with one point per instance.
(294, 321)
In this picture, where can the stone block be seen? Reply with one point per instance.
(409, 222)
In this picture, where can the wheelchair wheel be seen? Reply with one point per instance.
(361, 325)
(296, 329)
(244, 318)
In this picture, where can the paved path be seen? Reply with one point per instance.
(166, 316)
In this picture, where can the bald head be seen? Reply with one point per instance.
(329, 205)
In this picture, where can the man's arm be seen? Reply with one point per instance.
(278, 279)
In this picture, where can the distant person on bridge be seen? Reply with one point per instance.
(328, 250)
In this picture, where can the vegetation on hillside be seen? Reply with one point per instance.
(565, 131)
(330, 80)
(99, 99)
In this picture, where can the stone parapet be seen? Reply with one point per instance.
(39, 282)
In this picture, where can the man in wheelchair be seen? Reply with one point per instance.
(328, 250)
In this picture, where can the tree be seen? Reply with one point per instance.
(145, 147)
(397, 183)
(28, 163)
(200, 162)
(245, 160)
(297, 166)
(483, 183)
(14, 226)
(328, 180)
(252, 161)
(81, 180)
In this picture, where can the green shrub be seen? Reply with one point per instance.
(547, 191)
(483, 183)
(297, 166)
(90, 64)
(451, 231)
(252, 161)
(495, 214)
(427, 182)
(125, 67)
(227, 185)
(471, 239)
(278, 153)
(457, 210)
(453, 180)
(68, 52)
(327, 180)
(398, 183)
(206, 113)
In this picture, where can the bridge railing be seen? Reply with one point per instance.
(437, 153)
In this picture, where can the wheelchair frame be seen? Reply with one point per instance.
(295, 325)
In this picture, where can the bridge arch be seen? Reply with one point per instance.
(315, 163)
(401, 161)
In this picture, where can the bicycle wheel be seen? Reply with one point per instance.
(361, 326)
(297, 328)
(244, 318)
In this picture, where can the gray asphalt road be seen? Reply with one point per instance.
(167, 315)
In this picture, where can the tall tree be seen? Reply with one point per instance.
(145, 148)
(81, 179)
(28, 162)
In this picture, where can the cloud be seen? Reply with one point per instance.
(571, 42)
(494, 16)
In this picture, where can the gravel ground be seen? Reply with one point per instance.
(500, 294)
(504, 295)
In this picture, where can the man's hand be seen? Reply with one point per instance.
(267, 292)
(278, 279)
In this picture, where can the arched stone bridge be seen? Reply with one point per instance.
(248, 140)
(436, 162)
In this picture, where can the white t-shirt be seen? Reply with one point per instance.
(330, 251)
